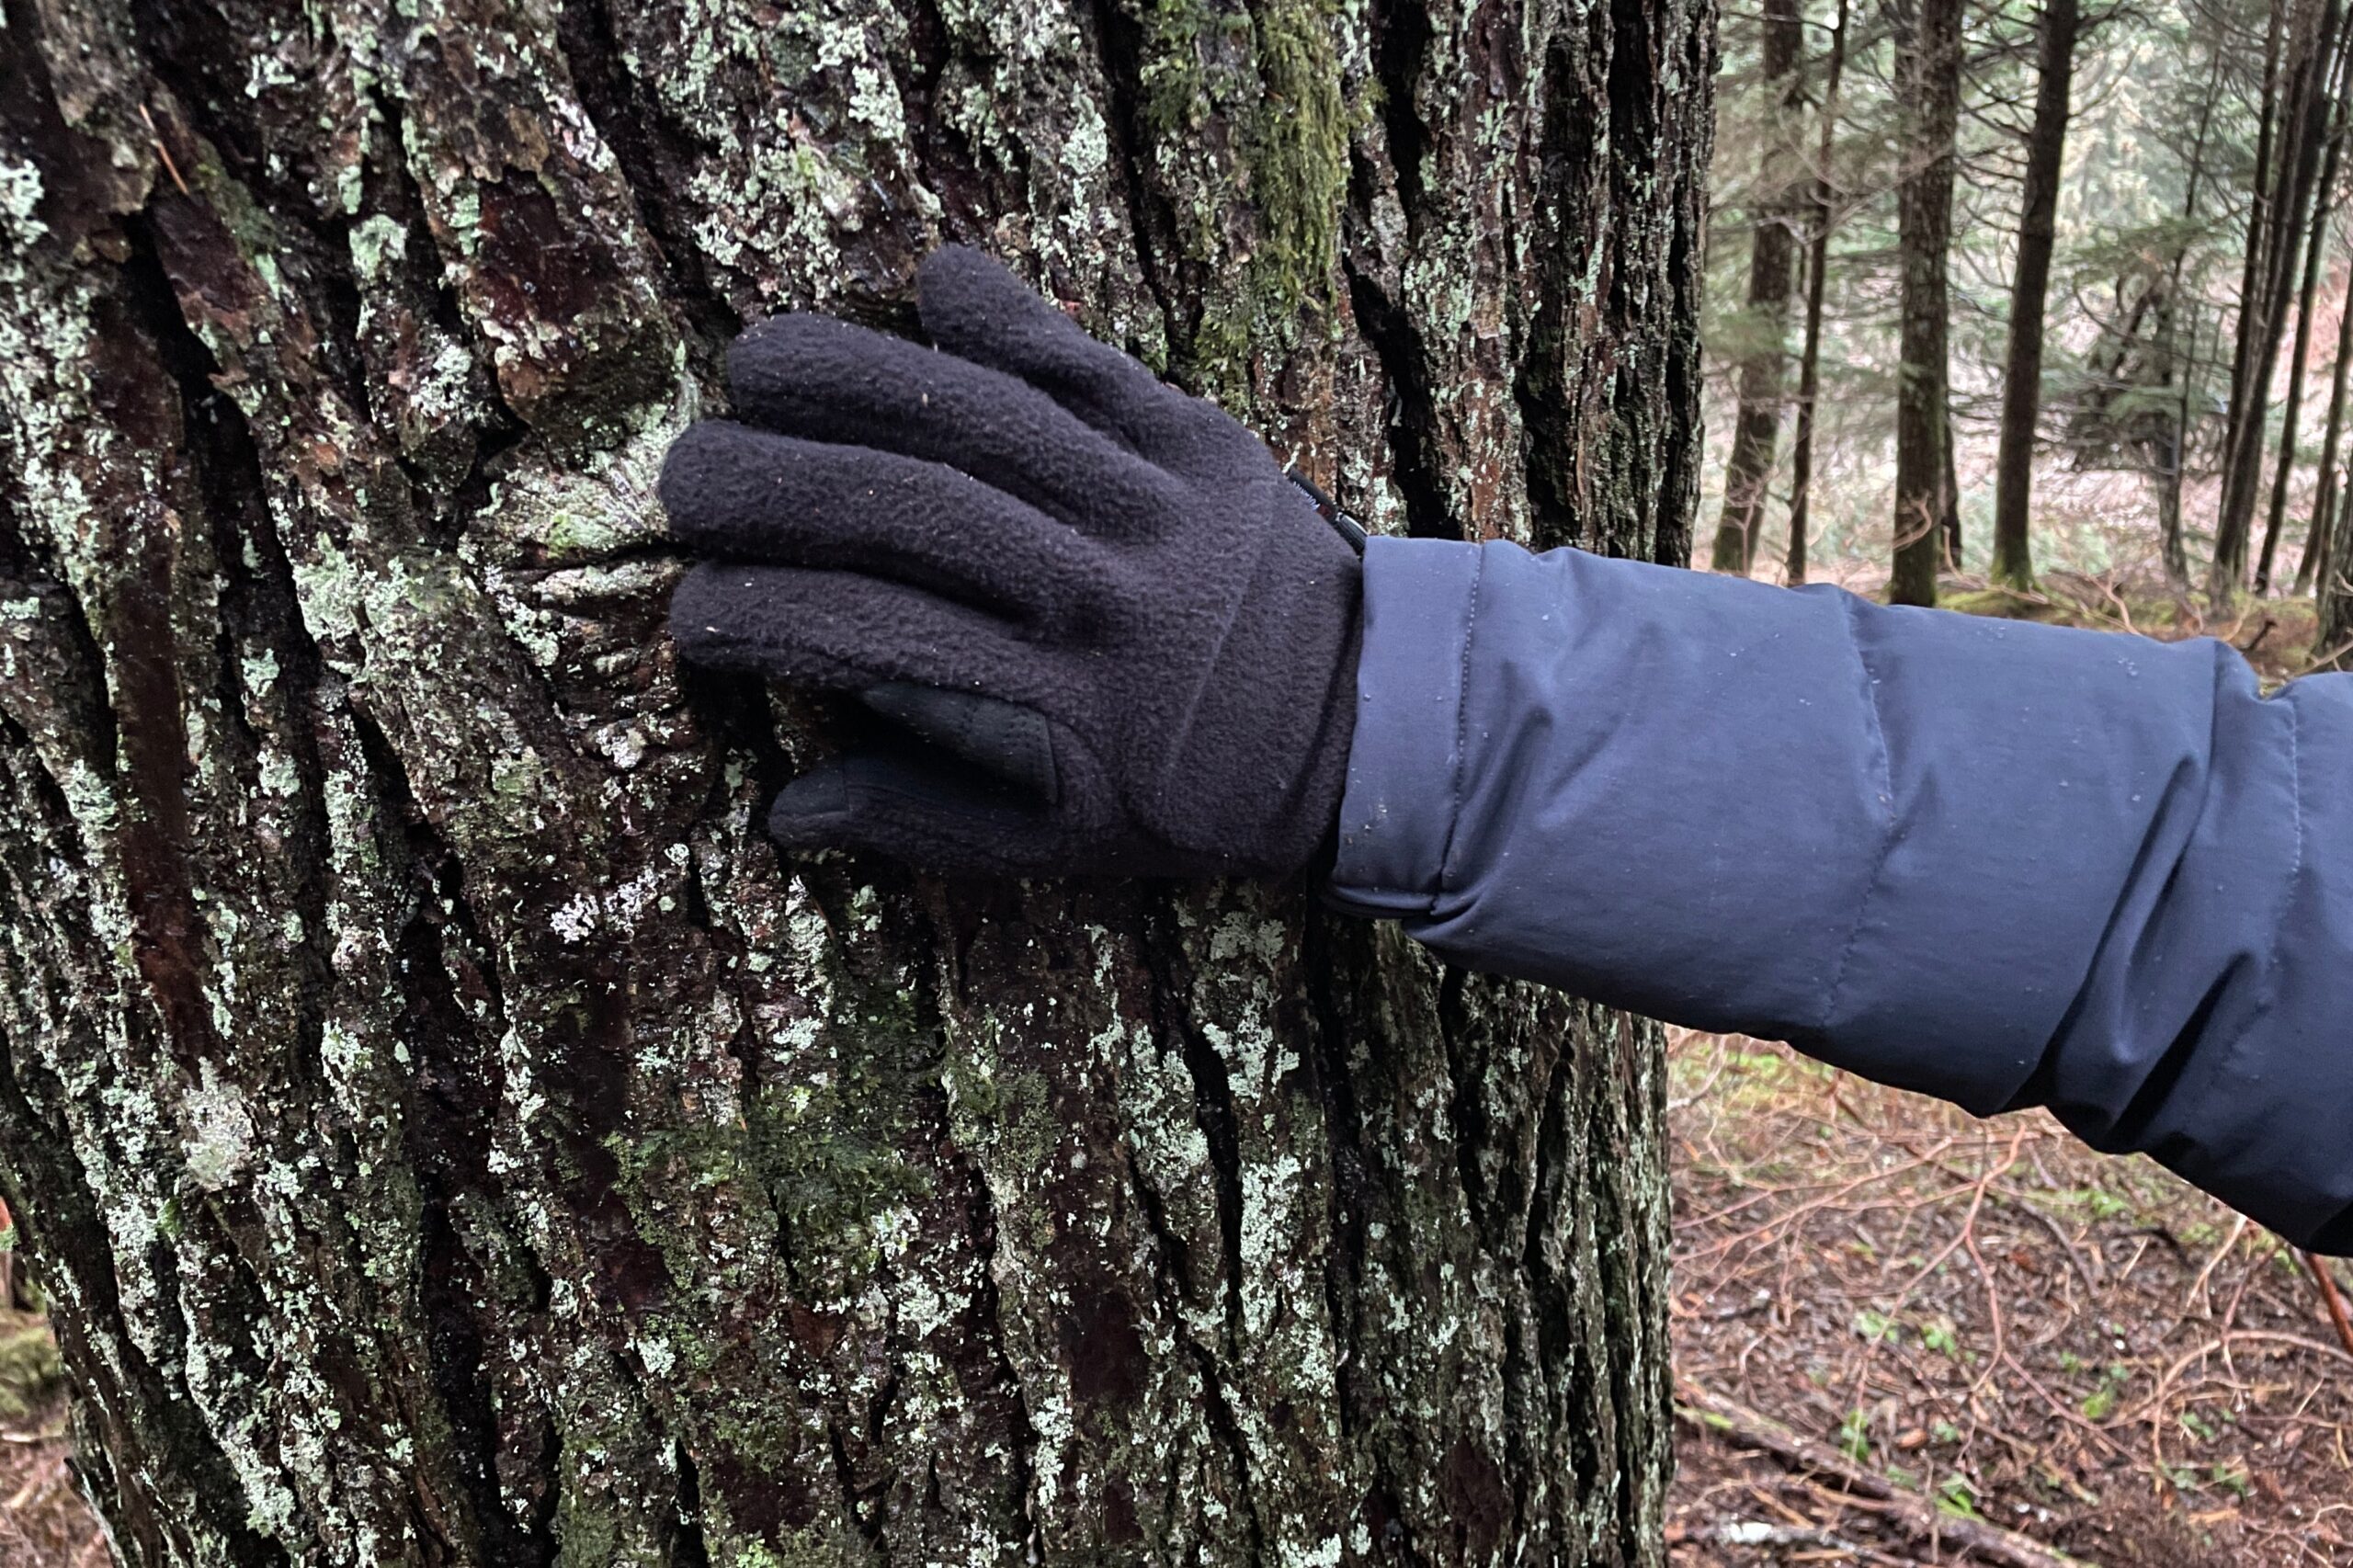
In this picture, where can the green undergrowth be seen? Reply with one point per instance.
(30, 1374)
(2276, 634)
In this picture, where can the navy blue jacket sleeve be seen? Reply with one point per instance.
(2001, 863)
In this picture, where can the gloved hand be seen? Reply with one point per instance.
(1111, 636)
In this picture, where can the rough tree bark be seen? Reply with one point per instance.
(451, 1134)
(2031, 283)
(1929, 83)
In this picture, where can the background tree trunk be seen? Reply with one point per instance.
(2261, 197)
(2329, 530)
(1773, 217)
(2291, 412)
(2305, 94)
(2177, 353)
(1817, 267)
(2038, 234)
(450, 1133)
(2325, 479)
(2332, 649)
(1929, 83)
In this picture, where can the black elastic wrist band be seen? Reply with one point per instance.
(1347, 526)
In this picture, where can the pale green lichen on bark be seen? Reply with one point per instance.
(1032, 1213)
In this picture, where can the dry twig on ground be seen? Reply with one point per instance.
(1916, 1516)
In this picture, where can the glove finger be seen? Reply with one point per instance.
(977, 310)
(1005, 740)
(845, 631)
(928, 810)
(732, 490)
(832, 381)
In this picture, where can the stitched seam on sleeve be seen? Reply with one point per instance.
(1461, 725)
(2227, 663)
(1886, 769)
(2296, 862)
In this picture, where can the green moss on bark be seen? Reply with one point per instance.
(452, 1132)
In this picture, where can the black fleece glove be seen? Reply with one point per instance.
(1110, 635)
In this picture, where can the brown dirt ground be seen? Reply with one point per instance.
(2084, 1350)
(43, 1521)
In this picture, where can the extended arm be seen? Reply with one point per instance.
(2004, 864)
(1098, 633)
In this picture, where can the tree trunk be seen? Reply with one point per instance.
(2320, 550)
(2333, 587)
(1772, 273)
(2258, 220)
(2291, 413)
(1954, 540)
(451, 1134)
(2324, 502)
(2180, 364)
(2311, 60)
(1817, 267)
(2038, 235)
(2173, 455)
(1929, 83)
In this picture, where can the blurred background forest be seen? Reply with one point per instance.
(2005, 295)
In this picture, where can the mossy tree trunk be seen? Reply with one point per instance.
(450, 1133)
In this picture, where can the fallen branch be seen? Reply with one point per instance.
(2334, 1297)
(1909, 1512)
(1742, 1532)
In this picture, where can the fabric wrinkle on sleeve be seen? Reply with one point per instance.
(1893, 825)
(2215, 1032)
(1999, 862)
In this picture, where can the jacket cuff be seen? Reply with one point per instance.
(1421, 600)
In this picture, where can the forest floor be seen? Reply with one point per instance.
(1984, 1323)
(43, 1521)
(1905, 1336)
(2276, 635)
(1901, 1336)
